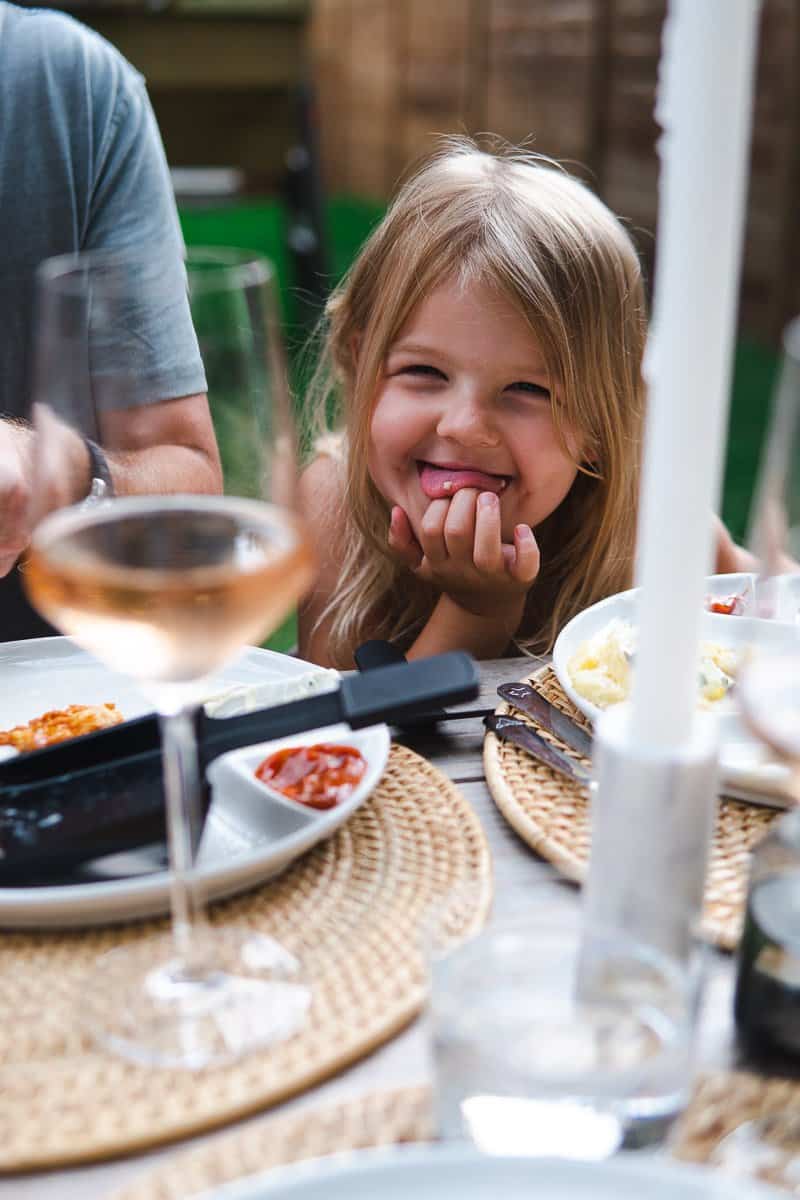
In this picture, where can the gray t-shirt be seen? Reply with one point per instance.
(81, 168)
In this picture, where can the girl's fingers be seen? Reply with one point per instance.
(424, 571)
(525, 566)
(431, 531)
(401, 539)
(459, 525)
(487, 550)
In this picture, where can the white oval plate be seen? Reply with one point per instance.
(242, 843)
(459, 1173)
(745, 767)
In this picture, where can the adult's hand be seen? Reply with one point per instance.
(16, 472)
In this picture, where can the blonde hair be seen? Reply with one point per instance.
(511, 218)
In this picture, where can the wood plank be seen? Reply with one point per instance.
(771, 289)
(630, 166)
(328, 42)
(374, 82)
(184, 52)
(437, 82)
(250, 129)
(541, 75)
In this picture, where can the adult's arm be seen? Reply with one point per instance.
(165, 447)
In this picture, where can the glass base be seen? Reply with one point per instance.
(527, 1061)
(240, 991)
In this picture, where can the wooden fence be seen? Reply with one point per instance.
(577, 79)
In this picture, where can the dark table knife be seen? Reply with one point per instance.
(528, 700)
(512, 729)
(68, 803)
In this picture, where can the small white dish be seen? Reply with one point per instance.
(249, 803)
(747, 772)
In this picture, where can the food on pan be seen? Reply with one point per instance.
(59, 724)
(600, 669)
(320, 776)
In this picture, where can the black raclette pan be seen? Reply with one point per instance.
(102, 793)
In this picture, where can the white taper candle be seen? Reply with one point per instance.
(704, 108)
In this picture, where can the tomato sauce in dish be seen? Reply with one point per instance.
(320, 776)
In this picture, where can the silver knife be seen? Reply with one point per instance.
(563, 727)
(512, 729)
(526, 698)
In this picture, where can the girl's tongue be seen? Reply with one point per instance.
(440, 482)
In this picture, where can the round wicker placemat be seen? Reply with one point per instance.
(724, 1099)
(352, 909)
(373, 1119)
(551, 814)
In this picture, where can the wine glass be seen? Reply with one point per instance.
(167, 586)
(767, 994)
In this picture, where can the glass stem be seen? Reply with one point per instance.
(182, 792)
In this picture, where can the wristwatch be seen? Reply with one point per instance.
(102, 485)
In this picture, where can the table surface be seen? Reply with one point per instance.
(520, 880)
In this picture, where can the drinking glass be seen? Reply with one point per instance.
(767, 995)
(525, 1063)
(167, 588)
(770, 684)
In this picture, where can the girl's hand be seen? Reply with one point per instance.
(460, 550)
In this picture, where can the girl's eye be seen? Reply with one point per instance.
(422, 369)
(532, 389)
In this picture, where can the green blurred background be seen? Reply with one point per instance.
(262, 225)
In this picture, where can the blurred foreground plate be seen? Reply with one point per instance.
(455, 1173)
(243, 842)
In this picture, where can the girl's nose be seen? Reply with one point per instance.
(466, 421)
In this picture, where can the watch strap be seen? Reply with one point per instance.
(98, 469)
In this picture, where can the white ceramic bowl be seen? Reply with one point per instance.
(744, 763)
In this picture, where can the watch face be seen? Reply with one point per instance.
(98, 491)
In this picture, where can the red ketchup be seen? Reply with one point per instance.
(729, 605)
(319, 776)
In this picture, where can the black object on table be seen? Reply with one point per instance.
(102, 793)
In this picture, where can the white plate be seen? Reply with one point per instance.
(458, 1173)
(243, 843)
(745, 767)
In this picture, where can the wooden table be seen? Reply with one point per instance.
(519, 882)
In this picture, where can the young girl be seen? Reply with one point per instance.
(484, 351)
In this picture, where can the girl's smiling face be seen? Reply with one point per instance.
(465, 401)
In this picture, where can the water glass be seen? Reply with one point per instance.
(525, 1062)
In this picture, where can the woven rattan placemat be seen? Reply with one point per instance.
(724, 1099)
(551, 814)
(373, 1119)
(352, 908)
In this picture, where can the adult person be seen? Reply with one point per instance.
(82, 168)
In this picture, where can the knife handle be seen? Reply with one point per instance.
(409, 690)
(377, 653)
